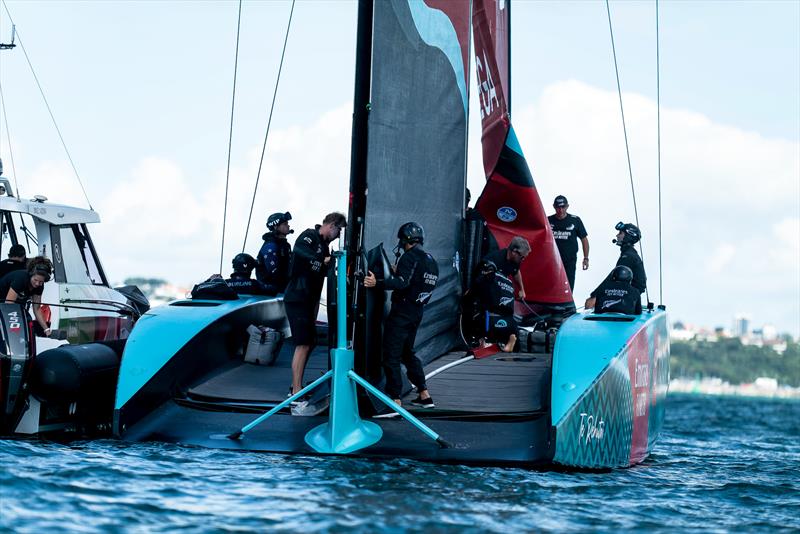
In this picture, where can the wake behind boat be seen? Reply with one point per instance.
(584, 392)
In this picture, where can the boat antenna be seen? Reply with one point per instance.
(47, 105)
(9, 46)
(8, 140)
(658, 127)
(269, 122)
(625, 133)
(230, 136)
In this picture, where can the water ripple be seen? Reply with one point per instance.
(721, 464)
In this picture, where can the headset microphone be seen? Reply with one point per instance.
(614, 241)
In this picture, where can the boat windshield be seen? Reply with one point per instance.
(17, 228)
(74, 257)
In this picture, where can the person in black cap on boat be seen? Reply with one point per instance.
(240, 281)
(413, 281)
(616, 294)
(301, 299)
(627, 236)
(24, 287)
(273, 258)
(567, 229)
(16, 260)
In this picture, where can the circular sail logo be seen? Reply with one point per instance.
(507, 214)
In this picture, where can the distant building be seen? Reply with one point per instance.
(741, 325)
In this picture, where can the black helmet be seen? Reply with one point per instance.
(632, 233)
(622, 273)
(243, 263)
(411, 232)
(276, 219)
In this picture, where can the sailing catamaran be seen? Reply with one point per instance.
(593, 399)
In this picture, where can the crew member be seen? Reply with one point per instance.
(24, 287)
(627, 236)
(301, 299)
(494, 298)
(240, 281)
(413, 281)
(507, 261)
(273, 258)
(16, 260)
(567, 229)
(617, 294)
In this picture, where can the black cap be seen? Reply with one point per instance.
(560, 201)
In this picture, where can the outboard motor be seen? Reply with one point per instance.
(16, 360)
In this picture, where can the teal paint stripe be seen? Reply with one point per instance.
(436, 29)
(512, 142)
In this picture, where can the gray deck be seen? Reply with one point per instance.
(501, 384)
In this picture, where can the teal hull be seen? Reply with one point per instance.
(610, 380)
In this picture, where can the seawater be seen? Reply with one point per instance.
(721, 464)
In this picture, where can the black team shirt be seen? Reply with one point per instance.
(566, 232)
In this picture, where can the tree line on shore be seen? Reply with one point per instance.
(734, 362)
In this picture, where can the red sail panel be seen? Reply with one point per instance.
(490, 28)
(509, 202)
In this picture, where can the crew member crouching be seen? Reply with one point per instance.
(240, 281)
(616, 295)
(494, 295)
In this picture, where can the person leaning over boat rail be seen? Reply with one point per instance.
(567, 229)
(301, 299)
(414, 278)
(16, 260)
(627, 236)
(240, 281)
(23, 287)
(273, 258)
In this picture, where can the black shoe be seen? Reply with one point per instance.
(423, 403)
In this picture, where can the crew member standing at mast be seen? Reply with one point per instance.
(413, 282)
(301, 299)
(567, 229)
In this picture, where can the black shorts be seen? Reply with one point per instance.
(303, 322)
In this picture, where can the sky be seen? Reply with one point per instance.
(142, 95)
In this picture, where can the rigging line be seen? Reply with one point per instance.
(625, 133)
(49, 110)
(269, 122)
(230, 137)
(8, 140)
(658, 123)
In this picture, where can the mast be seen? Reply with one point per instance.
(358, 171)
(358, 146)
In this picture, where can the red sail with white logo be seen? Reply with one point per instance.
(509, 202)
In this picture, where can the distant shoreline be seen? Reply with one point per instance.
(762, 388)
